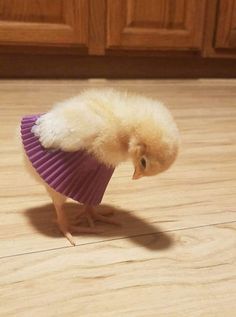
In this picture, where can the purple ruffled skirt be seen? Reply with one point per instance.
(77, 175)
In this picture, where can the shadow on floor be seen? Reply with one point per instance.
(132, 227)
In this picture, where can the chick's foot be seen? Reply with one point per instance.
(92, 215)
(67, 230)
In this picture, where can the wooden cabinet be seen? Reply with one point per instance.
(44, 22)
(162, 24)
(113, 27)
(169, 38)
(226, 25)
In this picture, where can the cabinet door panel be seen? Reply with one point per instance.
(162, 24)
(226, 25)
(43, 22)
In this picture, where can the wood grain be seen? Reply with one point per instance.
(31, 11)
(226, 25)
(184, 273)
(175, 253)
(216, 27)
(97, 27)
(198, 190)
(44, 23)
(172, 25)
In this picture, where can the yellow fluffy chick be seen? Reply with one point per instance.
(113, 126)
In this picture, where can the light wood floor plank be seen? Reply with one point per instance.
(199, 189)
(185, 273)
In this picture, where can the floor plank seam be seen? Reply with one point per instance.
(117, 239)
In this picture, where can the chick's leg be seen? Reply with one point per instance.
(58, 201)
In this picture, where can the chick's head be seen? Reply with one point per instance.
(153, 152)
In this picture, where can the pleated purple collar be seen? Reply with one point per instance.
(77, 175)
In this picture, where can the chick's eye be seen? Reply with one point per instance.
(143, 162)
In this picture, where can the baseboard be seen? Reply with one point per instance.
(70, 66)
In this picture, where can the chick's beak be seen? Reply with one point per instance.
(137, 173)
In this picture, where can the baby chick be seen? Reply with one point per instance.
(113, 127)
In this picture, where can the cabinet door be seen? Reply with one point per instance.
(152, 24)
(226, 25)
(44, 22)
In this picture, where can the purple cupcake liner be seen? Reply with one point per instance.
(77, 175)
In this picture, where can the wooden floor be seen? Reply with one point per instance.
(175, 254)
